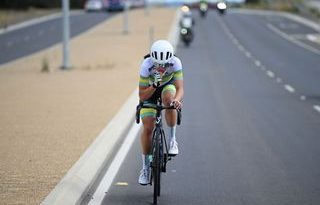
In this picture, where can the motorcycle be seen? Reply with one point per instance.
(221, 7)
(203, 8)
(186, 35)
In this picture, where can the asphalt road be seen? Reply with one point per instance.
(250, 130)
(28, 40)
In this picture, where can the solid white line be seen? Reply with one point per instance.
(248, 54)
(235, 41)
(289, 88)
(106, 182)
(317, 108)
(287, 37)
(270, 74)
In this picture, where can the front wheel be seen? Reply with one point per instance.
(156, 167)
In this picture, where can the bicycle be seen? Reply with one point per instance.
(160, 155)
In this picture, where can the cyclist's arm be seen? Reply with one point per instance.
(179, 90)
(178, 82)
(145, 92)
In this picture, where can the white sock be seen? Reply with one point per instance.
(172, 133)
(145, 161)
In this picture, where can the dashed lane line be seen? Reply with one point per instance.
(289, 88)
(317, 108)
(270, 74)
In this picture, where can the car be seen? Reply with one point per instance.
(115, 5)
(93, 5)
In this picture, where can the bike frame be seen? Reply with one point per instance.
(159, 149)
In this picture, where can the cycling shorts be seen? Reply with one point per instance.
(150, 112)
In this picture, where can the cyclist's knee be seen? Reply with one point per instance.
(167, 98)
(168, 94)
(148, 125)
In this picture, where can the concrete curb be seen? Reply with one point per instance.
(35, 21)
(83, 173)
(72, 189)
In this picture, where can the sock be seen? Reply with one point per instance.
(145, 161)
(172, 133)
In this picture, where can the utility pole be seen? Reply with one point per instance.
(66, 34)
(126, 17)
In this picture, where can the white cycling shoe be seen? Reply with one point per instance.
(173, 148)
(144, 177)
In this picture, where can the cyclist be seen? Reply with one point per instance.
(160, 76)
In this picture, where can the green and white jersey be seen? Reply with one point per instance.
(172, 72)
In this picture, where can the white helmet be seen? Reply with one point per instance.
(161, 52)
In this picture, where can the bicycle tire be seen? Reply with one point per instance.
(156, 167)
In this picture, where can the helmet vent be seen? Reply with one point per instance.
(161, 55)
(168, 55)
(155, 55)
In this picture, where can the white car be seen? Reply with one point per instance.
(93, 5)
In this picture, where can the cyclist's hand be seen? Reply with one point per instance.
(177, 104)
(157, 79)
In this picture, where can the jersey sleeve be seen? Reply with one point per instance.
(144, 74)
(177, 70)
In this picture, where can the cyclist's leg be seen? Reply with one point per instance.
(148, 125)
(148, 118)
(168, 94)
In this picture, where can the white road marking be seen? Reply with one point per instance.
(312, 37)
(289, 38)
(302, 97)
(241, 48)
(288, 25)
(235, 41)
(317, 108)
(106, 182)
(270, 74)
(299, 36)
(289, 88)
(258, 63)
(248, 54)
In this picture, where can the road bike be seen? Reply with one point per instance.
(160, 155)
